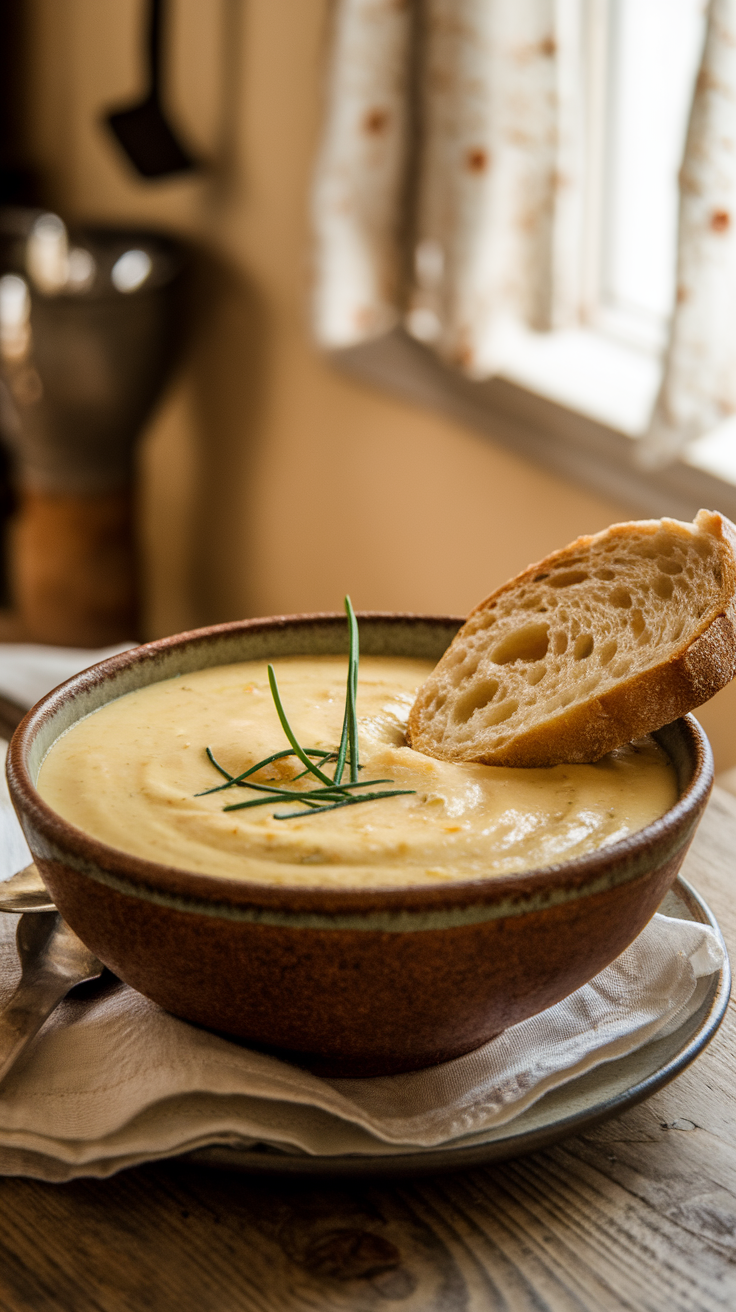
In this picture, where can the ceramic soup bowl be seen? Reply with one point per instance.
(351, 982)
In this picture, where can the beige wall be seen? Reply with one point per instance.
(269, 482)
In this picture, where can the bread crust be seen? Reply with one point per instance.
(584, 732)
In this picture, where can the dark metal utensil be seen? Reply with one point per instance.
(143, 130)
(25, 891)
(53, 961)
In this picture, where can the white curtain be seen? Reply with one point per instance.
(699, 385)
(486, 191)
(462, 227)
(487, 197)
(359, 186)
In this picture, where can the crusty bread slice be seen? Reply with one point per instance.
(596, 645)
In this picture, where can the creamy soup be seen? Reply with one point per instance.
(132, 775)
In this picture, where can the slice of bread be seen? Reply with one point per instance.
(596, 645)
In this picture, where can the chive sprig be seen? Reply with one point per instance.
(320, 792)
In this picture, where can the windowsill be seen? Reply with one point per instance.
(716, 452)
(590, 373)
(573, 401)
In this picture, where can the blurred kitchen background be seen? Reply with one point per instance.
(266, 479)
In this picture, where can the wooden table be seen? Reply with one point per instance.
(639, 1213)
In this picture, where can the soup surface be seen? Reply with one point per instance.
(130, 775)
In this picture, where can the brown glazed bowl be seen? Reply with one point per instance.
(354, 982)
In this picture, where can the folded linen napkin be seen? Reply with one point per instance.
(28, 670)
(113, 1080)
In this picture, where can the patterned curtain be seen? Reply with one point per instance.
(446, 194)
(445, 124)
(359, 186)
(699, 384)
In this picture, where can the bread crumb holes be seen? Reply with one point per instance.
(568, 579)
(475, 698)
(497, 714)
(529, 643)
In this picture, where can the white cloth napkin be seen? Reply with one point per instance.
(28, 670)
(113, 1080)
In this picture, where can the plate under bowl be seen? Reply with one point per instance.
(586, 1101)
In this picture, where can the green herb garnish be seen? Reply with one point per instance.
(332, 793)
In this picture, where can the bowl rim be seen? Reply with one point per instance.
(581, 875)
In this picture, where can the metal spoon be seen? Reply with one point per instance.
(25, 891)
(52, 961)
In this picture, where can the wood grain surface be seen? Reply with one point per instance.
(639, 1213)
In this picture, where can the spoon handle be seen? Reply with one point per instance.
(47, 976)
(25, 891)
(30, 1005)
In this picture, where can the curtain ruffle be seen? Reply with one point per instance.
(699, 383)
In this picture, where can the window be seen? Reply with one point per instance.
(643, 62)
(628, 70)
(635, 64)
